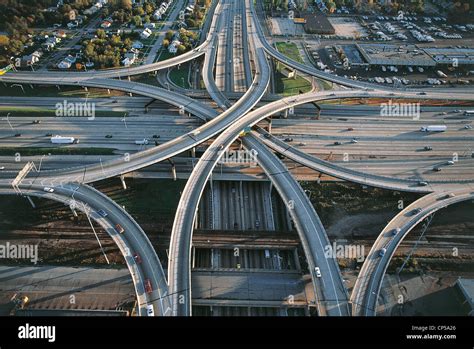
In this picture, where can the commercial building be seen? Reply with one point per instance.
(451, 55)
(396, 55)
(317, 23)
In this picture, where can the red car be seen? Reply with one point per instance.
(137, 258)
(148, 287)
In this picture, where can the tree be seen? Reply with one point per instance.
(169, 35)
(190, 22)
(147, 19)
(126, 4)
(101, 34)
(4, 40)
(137, 21)
(138, 11)
(149, 8)
(166, 43)
(181, 49)
(116, 41)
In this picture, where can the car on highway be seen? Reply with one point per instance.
(49, 135)
(302, 144)
(148, 287)
(17, 134)
(468, 127)
(422, 93)
(150, 311)
(350, 129)
(35, 122)
(317, 271)
(337, 143)
(450, 162)
(155, 136)
(288, 139)
(415, 211)
(450, 195)
(48, 190)
(119, 229)
(382, 252)
(428, 148)
(137, 258)
(422, 183)
(102, 213)
(2, 168)
(396, 231)
(267, 135)
(353, 140)
(108, 136)
(437, 169)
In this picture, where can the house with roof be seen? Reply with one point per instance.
(145, 34)
(173, 47)
(105, 24)
(129, 58)
(137, 45)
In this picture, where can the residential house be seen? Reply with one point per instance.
(105, 24)
(137, 45)
(31, 59)
(72, 15)
(146, 33)
(173, 47)
(67, 62)
(129, 58)
(149, 25)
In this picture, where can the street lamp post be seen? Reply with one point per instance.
(8, 120)
(124, 121)
(41, 161)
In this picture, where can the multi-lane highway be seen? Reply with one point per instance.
(133, 242)
(236, 46)
(365, 294)
(332, 298)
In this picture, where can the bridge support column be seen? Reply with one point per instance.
(173, 172)
(124, 185)
(148, 104)
(108, 91)
(73, 210)
(130, 94)
(193, 152)
(129, 78)
(31, 86)
(269, 125)
(285, 114)
(31, 201)
(59, 88)
(85, 88)
(296, 259)
(318, 108)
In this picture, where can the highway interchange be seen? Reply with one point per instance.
(235, 47)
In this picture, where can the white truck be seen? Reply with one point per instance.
(433, 128)
(64, 140)
(150, 311)
(143, 141)
(441, 74)
(469, 112)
